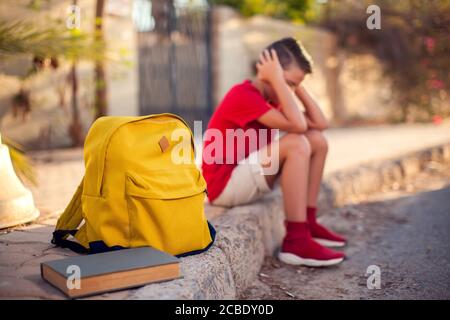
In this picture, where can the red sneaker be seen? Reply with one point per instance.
(300, 249)
(321, 234)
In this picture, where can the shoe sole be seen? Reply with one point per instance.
(290, 258)
(330, 243)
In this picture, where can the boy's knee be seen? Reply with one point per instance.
(298, 143)
(317, 140)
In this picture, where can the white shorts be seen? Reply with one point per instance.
(247, 184)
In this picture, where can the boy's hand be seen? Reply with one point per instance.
(269, 67)
(301, 92)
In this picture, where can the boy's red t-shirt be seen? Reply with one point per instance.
(239, 109)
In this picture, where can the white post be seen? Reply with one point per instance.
(16, 201)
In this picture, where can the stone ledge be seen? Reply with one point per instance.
(247, 233)
(347, 185)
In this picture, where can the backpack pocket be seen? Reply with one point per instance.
(166, 210)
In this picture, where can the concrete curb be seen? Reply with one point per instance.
(245, 234)
(352, 184)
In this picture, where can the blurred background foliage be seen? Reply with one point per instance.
(52, 40)
(413, 44)
(20, 161)
(412, 47)
(295, 10)
(48, 44)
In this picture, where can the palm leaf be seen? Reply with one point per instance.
(52, 40)
(21, 163)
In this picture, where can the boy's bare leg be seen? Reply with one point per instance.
(294, 156)
(319, 150)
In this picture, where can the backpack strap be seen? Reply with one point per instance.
(68, 223)
(60, 241)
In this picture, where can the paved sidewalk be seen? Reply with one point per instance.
(59, 173)
(405, 232)
(350, 147)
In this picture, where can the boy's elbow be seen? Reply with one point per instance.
(299, 128)
(324, 126)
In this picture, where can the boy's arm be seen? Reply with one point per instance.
(314, 115)
(290, 119)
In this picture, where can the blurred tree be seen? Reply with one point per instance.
(75, 128)
(23, 37)
(101, 101)
(46, 44)
(412, 45)
(295, 10)
(20, 161)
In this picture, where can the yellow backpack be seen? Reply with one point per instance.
(134, 193)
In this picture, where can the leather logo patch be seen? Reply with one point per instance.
(164, 144)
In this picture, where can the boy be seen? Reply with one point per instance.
(272, 101)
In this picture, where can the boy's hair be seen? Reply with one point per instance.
(290, 50)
